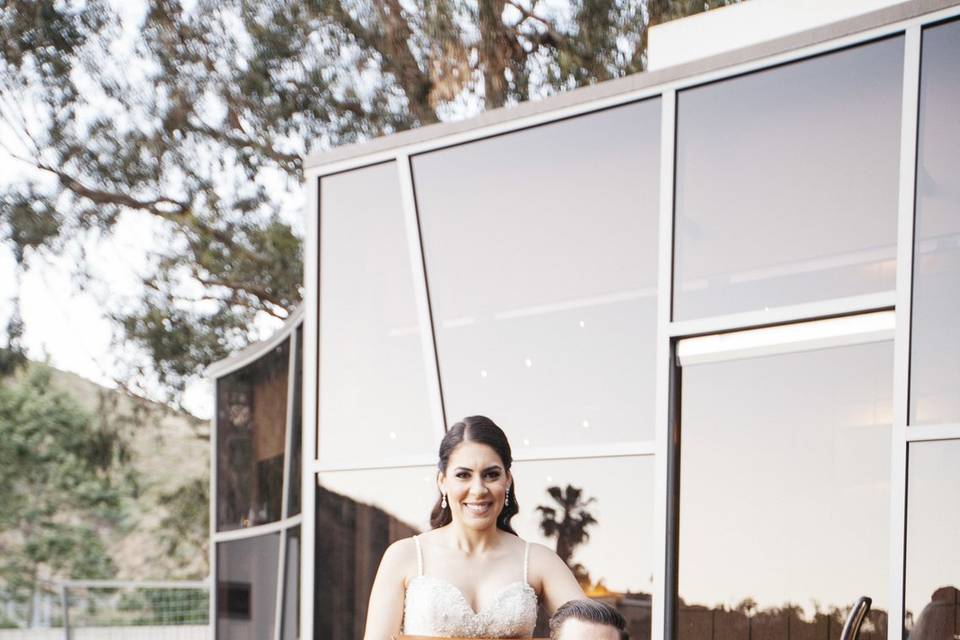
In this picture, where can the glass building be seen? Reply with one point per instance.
(255, 516)
(715, 307)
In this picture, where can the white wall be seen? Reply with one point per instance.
(748, 23)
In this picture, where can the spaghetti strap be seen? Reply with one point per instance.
(526, 563)
(416, 539)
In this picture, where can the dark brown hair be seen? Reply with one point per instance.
(483, 430)
(588, 611)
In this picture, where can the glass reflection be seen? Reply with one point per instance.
(784, 493)
(608, 501)
(931, 595)
(373, 392)
(251, 429)
(360, 513)
(296, 427)
(817, 150)
(290, 621)
(543, 275)
(935, 363)
(247, 587)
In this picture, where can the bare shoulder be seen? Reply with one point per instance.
(543, 557)
(543, 563)
(551, 577)
(400, 559)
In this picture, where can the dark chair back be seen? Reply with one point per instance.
(851, 628)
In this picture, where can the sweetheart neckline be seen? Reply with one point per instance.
(463, 596)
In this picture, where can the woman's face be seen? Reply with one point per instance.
(475, 484)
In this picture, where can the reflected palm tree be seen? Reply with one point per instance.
(568, 522)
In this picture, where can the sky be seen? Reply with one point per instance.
(68, 326)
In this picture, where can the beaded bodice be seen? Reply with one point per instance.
(435, 607)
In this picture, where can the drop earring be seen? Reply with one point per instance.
(443, 501)
(506, 501)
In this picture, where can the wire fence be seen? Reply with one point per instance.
(118, 609)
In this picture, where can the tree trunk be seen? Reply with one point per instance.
(494, 53)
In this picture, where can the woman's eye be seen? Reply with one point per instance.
(463, 475)
(493, 475)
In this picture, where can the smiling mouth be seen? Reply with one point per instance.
(477, 508)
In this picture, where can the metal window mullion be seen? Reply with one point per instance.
(214, 503)
(787, 314)
(794, 337)
(668, 113)
(901, 360)
(285, 491)
(288, 426)
(421, 292)
(253, 532)
(281, 570)
(308, 411)
(927, 432)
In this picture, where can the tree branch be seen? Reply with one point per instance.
(395, 55)
(259, 292)
(100, 196)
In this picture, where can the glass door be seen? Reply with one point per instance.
(784, 496)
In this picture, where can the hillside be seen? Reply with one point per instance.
(164, 533)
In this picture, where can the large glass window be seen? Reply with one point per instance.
(361, 514)
(784, 493)
(247, 587)
(373, 391)
(251, 429)
(786, 183)
(541, 256)
(597, 514)
(932, 591)
(935, 363)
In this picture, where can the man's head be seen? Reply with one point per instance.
(587, 620)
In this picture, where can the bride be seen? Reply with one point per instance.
(470, 575)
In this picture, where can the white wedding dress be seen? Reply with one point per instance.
(435, 607)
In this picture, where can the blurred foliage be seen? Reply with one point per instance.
(198, 127)
(184, 529)
(57, 492)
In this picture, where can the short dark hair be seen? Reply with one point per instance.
(588, 611)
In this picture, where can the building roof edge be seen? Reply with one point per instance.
(634, 82)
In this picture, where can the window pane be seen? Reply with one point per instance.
(296, 426)
(786, 185)
(360, 519)
(615, 562)
(935, 365)
(251, 428)
(247, 587)
(360, 513)
(541, 253)
(290, 629)
(931, 597)
(373, 389)
(784, 501)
